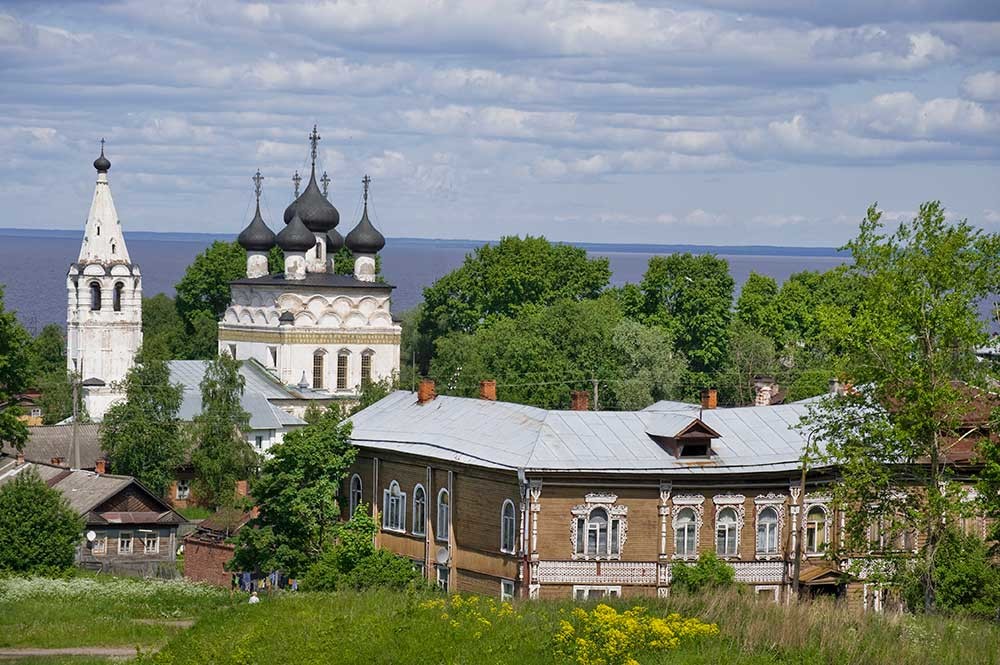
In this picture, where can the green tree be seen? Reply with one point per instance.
(911, 336)
(708, 572)
(758, 304)
(297, 495)
(691, 296)
(49, 376)
(203, 294)
(221, 455)
(989, 481)
(141, 435)
(48, 352)
(499, 280)
(163, 333)
(966, 578)
(38, 529)
(15, 372)
(750, 354)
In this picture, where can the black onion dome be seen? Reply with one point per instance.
(256, 237)
(365, 238)
(286, 317)
(102, 163)
(296, 237)
(314, 209)
(334, 241)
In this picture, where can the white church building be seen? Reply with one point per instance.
(325, 332)
(104, 311)
(321, 335)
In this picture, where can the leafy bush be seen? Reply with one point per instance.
(38, 529)
(966, 580)
(382, 570)
(708, 572)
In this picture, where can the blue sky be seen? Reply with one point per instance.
(722, 122)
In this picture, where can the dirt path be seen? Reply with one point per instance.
(123, 653)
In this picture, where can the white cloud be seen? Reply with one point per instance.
(983, 87)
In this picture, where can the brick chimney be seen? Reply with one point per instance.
(242, 488)
(580, 400)
(101, 465)
(425, 391)
(19, 460)
(764, 390)
(488, 390)
(56, 461)
(709, 398)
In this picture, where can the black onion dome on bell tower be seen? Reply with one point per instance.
(312, 207)
(257, 237)
(365, 238)
(334, 241)
(102, 163)
(296, 237)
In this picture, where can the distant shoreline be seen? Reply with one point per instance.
(599, 248)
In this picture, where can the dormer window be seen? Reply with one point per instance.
(683, 437)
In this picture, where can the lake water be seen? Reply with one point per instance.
(33, 268)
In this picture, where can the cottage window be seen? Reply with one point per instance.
(419, 509)
(183, 489)
(100, 547)
(259, 442)
(355, 493)
(726, 533)
(767, 531)
(125, 542)
(443, 575)
(366, 367)
(151, 543)
(318, 358)
(596, 592)
(508, 527)
(393, 508)
(598, 534)
(686, 533)
(506, 591)
(342, 370)
(441, 532)
(816, 530)
(95, 296)
(36, 412)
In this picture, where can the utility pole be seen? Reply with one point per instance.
(76, 417)
(797, 566)
(597, 405)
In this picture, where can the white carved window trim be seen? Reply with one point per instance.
(696, 502)
(394, 508)
(508, 527)
(774, 589)
(442, 517)
(738, 503)
(762, 502)
(823, 503)
(617, 527)
(419, 510)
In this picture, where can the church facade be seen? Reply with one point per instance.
(104, 309)
(313, 326)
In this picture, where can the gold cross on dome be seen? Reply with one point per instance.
(257, 180)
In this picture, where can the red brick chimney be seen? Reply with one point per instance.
(56, 461)
(488, 390)
(19, 460)
(242, 488)
(101, 465)
(580, 400)
(425, 391)
(709, 398)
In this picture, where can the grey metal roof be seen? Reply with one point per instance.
(503, 435)
(259, 388)
(50, 441)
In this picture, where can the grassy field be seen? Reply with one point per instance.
(384, 627)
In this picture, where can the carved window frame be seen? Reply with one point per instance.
(761, 503)
(617, 521)
(738, 503)
(817, 501)
(697, 503)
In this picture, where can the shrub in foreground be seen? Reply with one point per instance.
(707, 573)
(39, 531)
(966, 579)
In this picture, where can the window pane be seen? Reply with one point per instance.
(615, 536)
(581, 528)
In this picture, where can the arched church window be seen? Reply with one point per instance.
(318, 362)
(114, 250)
(342, 358)
(116, 299)
(366, 367)
(95, 296)
(98, 230)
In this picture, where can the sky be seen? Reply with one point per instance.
(728, 122)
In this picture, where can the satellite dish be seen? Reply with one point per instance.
(91, 536)
(442, 556)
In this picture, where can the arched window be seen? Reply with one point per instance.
(816, 530)
(116, 298)
(686, 533)
(95, 296)
(441, 533)
(508, 527)
(767, 531)
(598, 534)
(726, 537)
(366, 367)
(394, 508)
(319, 358)
(114, 248)
(356, 494)
(98, 229)
(342, 357)
(419, 509)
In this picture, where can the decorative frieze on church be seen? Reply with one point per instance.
(307, 337)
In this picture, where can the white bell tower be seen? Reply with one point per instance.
(104, 313)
